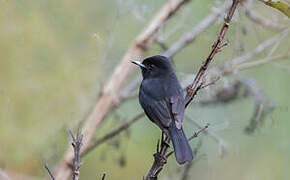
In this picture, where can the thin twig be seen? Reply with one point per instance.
(247, 65)
(49, 171)
(219, 141)
(191, 35)
(261, 47)
(210, 83)
(111, 134)
(231, 65)
(198, 132)
(256, 18)
(196, 85)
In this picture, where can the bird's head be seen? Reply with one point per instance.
(155, 66)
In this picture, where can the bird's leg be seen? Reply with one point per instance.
(166, 141)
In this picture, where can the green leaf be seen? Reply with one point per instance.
(282, 6)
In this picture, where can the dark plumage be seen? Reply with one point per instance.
(162, 99)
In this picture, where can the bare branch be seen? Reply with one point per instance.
(76, 143)
(160, 159)
(219, 141)
(231, 66)
(256, 18)
(191, 35)
(198, 132)
(161, 42)
(261, 47)
(49, 171)
(196, 85)
(247, 65)
(113, 133)
(262, 105)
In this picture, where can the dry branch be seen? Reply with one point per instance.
(110, 93)
(263, 21)
(221, 143)
(113, 133)
(161, 155)
(76, 144)
(266, 60)
(196, 85)
(191, 35)
(49, 172)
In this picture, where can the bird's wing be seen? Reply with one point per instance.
(177, 109)
(159, 113)
(163, 111)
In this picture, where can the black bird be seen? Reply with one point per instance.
(161, 97)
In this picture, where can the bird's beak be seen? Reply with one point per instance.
(138, 63)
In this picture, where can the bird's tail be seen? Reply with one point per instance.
(182, 150)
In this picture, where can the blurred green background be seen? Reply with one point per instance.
(56, 55)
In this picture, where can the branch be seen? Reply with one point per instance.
(191, 35)
(262, 105)
(247, 65)
(161, 42)
(113, 133)
(77, 143)
(232, 65)
(161, 156)
(49, 171)
(110, 93)
(263, 21)
(219, 141)
(196, 85)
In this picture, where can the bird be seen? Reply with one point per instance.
(161, 97)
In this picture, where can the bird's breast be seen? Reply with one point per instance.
(160, 88)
